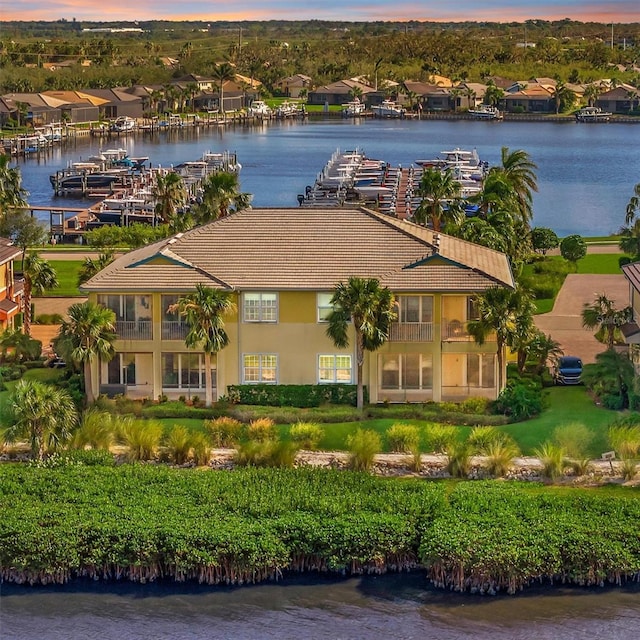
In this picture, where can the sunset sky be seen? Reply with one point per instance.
(603, 11)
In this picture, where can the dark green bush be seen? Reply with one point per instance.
(520, 400)
(293, 395)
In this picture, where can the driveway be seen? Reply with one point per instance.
(564, 322)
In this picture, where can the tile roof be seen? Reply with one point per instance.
(306, 249)
(8, 251)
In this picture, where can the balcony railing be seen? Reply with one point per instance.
(174, 330)
(134, 329)
(411, 332)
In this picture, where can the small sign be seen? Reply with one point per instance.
(609, 455)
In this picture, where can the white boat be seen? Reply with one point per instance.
(486, 112)
(122, 124)
(289, 109)
(593, 114)
(388, 109)
(353, 108)
(259, 108)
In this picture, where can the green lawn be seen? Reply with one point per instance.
(67, 272)
(564, 405)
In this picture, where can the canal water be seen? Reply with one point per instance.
(391, 607)
(586, 172)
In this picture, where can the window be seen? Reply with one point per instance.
(260, 367)
(184, 371)
(122, 369)
(260, 307)
(407, 371)
(334, 369)
(415, 309)
(473, 313)
(324, 306)
(128, 308)
(481, 370)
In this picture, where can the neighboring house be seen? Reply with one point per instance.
(292, 86)
(621, 99)
(339, 92)
(10, 289)
(281, 266)
(534, 98)
(432, 97)
(118, 102)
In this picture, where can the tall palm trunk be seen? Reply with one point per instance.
(500, 365)
(26, 315)
(88, 383)
(208, 395)
(359, 367)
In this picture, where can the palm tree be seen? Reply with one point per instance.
(371, 309)
(602, 313)
(220, 190)
(91, 266)
(436, 187)
(170, 194)
(518, 170)
(544, 349)
(499, 310)
(87, 334)
(12, 195)
(43, 414)
(39, 276)
(19, 344)
(223, 73)
(203, 312)
(634, 205)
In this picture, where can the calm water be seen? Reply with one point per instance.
(586, 173)
(390, 607)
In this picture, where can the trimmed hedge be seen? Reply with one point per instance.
(294, 395)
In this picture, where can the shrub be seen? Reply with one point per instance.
(624, 438)
(415, 459)
(579, 467)
(141, 437)
(629, 468)
(201, 449)
(179, 444)
(97, 430)
(459, 460)
(439, 437)
(224, 432)
(481, 437)
(403, 438)
(262, 430)
(499, 457)
(292, 395)
(363, 446)
(306, 435)
(269, 453)
(475, 405)
(552, 458)
(574, 438)
(520, 401)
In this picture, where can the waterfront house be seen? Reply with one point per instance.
(340, 92)
(281, 266)
(533, 98)
(621, 99)
(10, 289)
(294, 86)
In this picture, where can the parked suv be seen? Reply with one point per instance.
(568, 370)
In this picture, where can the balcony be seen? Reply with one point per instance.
(174, 330)
(411, 332)
(458, 331)
(134, 329)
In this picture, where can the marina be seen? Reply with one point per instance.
(280, 157)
